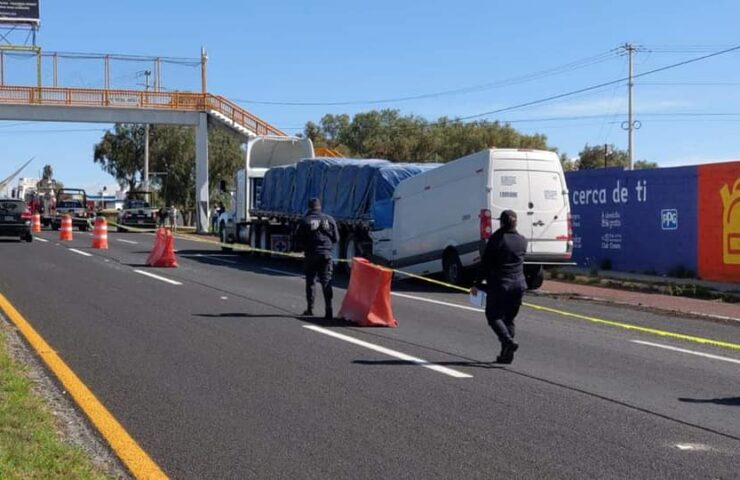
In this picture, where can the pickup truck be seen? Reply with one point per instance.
(72, 202)
(137, 212)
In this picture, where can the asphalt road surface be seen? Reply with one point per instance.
(212, 372)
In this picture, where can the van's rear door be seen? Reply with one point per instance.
(510, 191)
(548, 210)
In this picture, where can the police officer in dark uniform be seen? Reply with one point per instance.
(318, 233)
(502, 267)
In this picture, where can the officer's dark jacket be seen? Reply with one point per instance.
(317, 233)
(503, 261)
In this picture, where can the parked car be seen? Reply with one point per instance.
(15, 219)
(138, 212)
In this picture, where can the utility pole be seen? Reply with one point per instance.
(147, 73)
(606, 153)
(630, 125)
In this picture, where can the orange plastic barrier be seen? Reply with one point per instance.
(65, 232)
(368, 299)
(100, 234)
(163, 252)
(36, 223)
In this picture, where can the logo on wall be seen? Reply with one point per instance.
(669, 219)
(731, 223)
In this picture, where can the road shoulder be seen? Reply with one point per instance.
(61, 443)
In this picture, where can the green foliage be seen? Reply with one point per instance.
(644, 164)
(30, 447)
(593, 157)
(171, 151)
(389, 135)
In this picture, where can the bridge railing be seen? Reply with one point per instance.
(90, 97)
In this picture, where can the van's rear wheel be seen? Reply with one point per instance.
(534, 275)
(452, 267)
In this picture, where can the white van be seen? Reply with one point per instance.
(443, 217)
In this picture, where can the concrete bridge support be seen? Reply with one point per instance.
(202, 192)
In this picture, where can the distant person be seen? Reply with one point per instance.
(503, 269)
(162, 214)
(172, 214)
(317, 233)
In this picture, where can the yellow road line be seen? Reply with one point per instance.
(638, 328)
(564, 313)
(130, 453)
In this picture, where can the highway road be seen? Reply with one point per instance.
(209, 368)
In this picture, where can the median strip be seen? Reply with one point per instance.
(125, 447)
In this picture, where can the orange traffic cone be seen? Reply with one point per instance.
(65, 232)
(100, 233)
(36, 223)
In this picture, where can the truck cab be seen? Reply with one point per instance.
(262, 153)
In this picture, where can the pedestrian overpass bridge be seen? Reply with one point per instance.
(85, 105)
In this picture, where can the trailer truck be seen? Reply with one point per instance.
(421, 218)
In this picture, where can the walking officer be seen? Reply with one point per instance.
(502, 267)
(317, 233)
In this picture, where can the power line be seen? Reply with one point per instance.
(601, 85)
(566, 68)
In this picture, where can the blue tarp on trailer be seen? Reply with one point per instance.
(348, 188)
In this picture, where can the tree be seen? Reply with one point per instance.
(387, 134)
(47, 179)
(567, 163)
(644, 164)
(594, 157)
(121, 153)
(172, 152)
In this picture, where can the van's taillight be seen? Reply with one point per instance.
(486, 228)
(27, 215)
(568, 237)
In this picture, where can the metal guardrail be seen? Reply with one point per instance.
(105, 98)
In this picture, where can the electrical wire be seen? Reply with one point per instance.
(602, 85)
(566, 68)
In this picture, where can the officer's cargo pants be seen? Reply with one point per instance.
(502, 308)
(321, 267)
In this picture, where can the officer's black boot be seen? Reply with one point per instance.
(329, 315)
(308, 312)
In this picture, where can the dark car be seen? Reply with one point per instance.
(15, 219)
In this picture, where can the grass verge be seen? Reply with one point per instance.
(30, 446)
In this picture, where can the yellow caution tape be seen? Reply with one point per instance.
(564, 313)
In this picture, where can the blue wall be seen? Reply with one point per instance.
(640, 221)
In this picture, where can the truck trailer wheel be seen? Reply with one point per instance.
(452, 267)
(350, 250)
(534, 275)
(253, 236)
(264, 239)
(224, 238)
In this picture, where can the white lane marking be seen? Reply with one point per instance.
(84, 254)
(127, 241)
(690, 352)
(437, 302)
(389, 352)
(224, 298)
(283, 272)
(163, 279)
(212, 257)
(41, 239)
(395, 294)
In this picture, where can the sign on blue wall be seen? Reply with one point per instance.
(640, 221)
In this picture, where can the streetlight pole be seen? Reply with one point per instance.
(147, 73)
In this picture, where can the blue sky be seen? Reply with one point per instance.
(342, 51)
